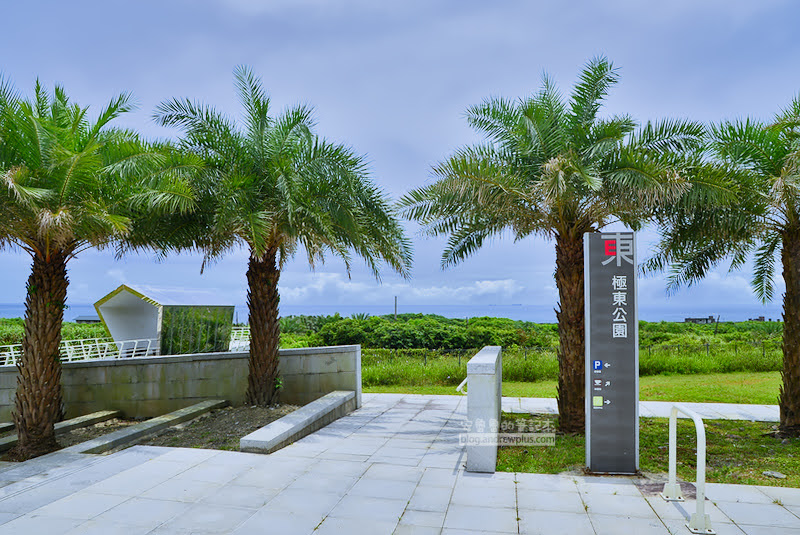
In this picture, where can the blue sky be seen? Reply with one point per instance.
(392, 79)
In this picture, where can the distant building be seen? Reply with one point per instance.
(702, 321)
(87, 319)
(760, 318)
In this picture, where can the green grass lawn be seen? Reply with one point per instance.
(737, 451)
(759, 388)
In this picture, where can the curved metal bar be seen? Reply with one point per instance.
(699, 521)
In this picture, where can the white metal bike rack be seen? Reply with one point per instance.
(699, 521)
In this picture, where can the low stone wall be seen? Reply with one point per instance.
(152, 386)
(300, 423)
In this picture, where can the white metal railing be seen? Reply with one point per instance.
(106, 348)
(240, 339)
(87, 349)
(699, 521)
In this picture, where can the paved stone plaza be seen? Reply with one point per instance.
(393, 466)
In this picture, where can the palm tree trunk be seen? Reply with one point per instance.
(38, 402)
(572, 342)
(789, 400)
(262, 302)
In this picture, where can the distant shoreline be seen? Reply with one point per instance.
(516, 311)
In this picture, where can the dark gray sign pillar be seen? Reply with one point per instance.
(612, 353)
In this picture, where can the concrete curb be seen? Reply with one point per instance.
(300, 423)
(86, 420)
(148, 427)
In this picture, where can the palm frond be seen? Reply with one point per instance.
(597, 77)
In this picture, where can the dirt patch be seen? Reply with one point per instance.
(219, 429)
(82, 434)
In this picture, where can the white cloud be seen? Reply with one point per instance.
(315, 288)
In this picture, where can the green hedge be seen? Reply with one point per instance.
(11, 331)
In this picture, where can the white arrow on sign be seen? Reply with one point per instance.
(607, 364)
(607, 401)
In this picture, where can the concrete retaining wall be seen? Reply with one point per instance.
(152, 386)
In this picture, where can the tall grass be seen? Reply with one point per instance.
(420, 367)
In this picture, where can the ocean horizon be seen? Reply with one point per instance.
(523, 312)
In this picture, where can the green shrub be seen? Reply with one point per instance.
(11, 331)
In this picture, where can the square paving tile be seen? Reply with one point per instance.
(144, 512)
(786, 496)
(275, 479)
(303, 501)
(754, 514)
(765, 530)
(383, 488)
(109, 527)
(545, 482)
(607, 485)
(30, 500)
(213, 473)
(478, 480)
(435, 499)
(332, 484)
(423, 518)
(616, 525)
(481, 518)
(407, 529)
(554, 523)
(369, 508)
(8, 517)
(620, 505)
(496, 497)
(181, 490)
(35, 524)
(347, 468)
(242, 496)
(339, 526)
(82, 505)
(438, 477)
(393, 473)
(678, 527)
(542, 500)
(278, 522)
(139, 479)
(736, 493)
(206, 518)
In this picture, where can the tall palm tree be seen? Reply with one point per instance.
(555, 169)
(69, 183)
(761, 221)
(272, 187)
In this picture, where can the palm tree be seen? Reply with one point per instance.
(554, 169)
(70, 183)
(272, 187)
(761, 220)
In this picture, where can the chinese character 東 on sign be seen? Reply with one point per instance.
(619, 247)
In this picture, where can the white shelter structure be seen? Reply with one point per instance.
(166, 322)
